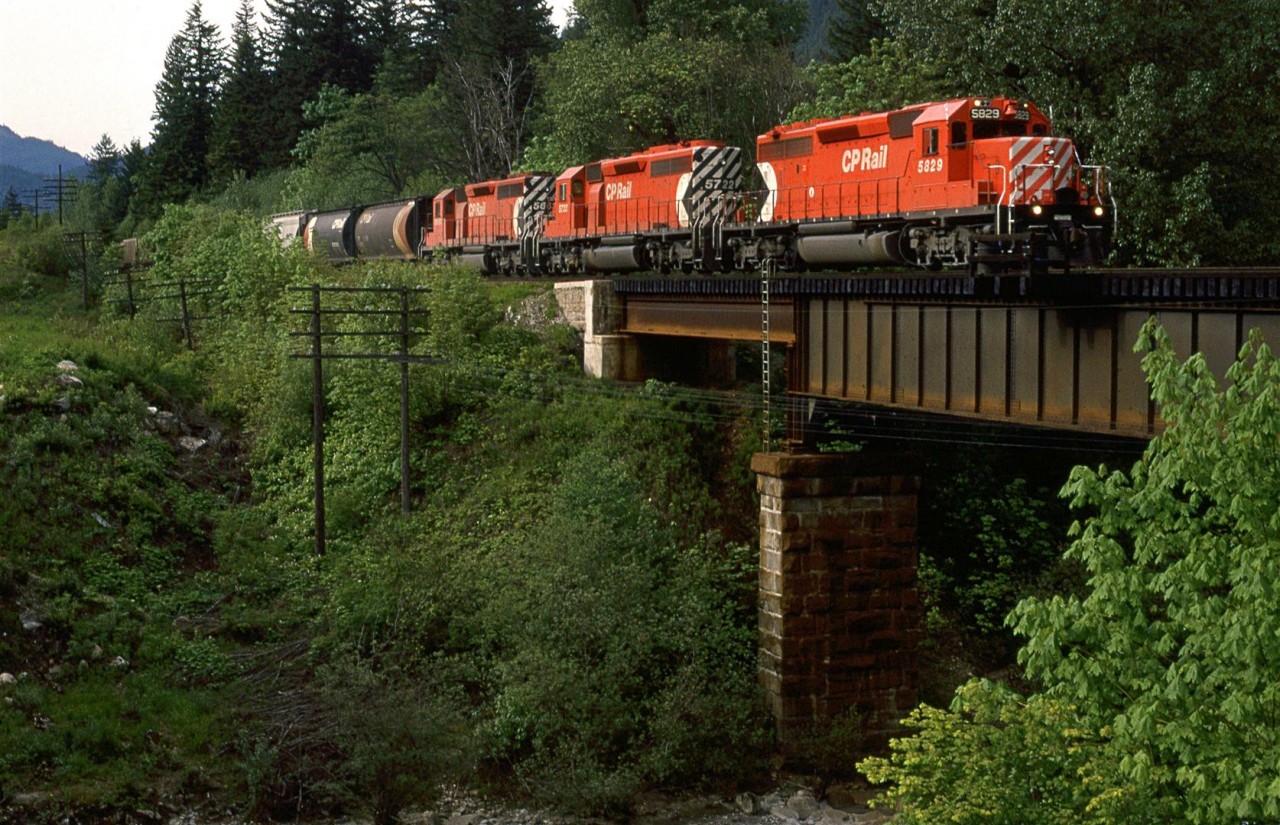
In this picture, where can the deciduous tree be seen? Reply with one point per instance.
(1160, 698)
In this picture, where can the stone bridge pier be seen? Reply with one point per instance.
(839, 612)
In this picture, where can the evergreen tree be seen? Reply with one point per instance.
(10, 209)
(185, 99)
(103, 199)
(243, 113)
(853, 26)
(313, 43)
(488, 48)
(403, 37)
(104, 161)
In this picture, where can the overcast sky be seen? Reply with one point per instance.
(74, 70)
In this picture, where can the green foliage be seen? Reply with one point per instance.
(244, 275)
(185, 98)
(830, 748)
(401, 737)
(618, 661)
(619, 88)
(853, 29)
(561, 604)
(242, 115)
(1158, 692)
(987, 539)
(101, 739)
(889, 75)
(1174, 648)
(43, 251)
(994, 757)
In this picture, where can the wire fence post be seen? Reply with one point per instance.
(317, 414)
(128, 285)
(84, 257)
(404, 400)
(186, 316)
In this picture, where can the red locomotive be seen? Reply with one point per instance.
(976, 183)
(492, 226)
(962, 182)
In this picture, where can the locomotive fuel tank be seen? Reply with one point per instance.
(837, 244)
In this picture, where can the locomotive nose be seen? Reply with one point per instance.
(1066, 196)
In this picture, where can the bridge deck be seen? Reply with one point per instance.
(1049, 351)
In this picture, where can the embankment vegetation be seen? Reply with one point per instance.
(568, 610)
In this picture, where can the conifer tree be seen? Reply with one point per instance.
(853, 26)
(313, 43)
(104, 161)
(10, 209)
(242, 121)
(402, 37)
(185, 99)
(488, 48)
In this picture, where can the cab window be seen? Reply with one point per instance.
(564, 192)
(577, 188)
(959, 134)
(931, 141)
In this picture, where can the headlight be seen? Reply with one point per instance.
(1037, 209)
(1098, 211)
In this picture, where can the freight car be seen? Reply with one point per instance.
(975, 182)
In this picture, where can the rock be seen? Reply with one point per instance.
(119, 661)
(191, 443)
(96, 653)
(784, 813)
(63, 404)
(465, 819)
(747, 803)
(167, 422)
(66, 380)
(67, 366)
(102, 520)
(850, 796)
(8, 679)
(424, 818)
(30, 621)
(803, 804)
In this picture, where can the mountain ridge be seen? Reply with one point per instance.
(25, 162)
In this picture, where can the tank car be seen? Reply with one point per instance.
(332, 234)
(391, 230)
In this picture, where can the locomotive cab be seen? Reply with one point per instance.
(569, 215)
(447, 220)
